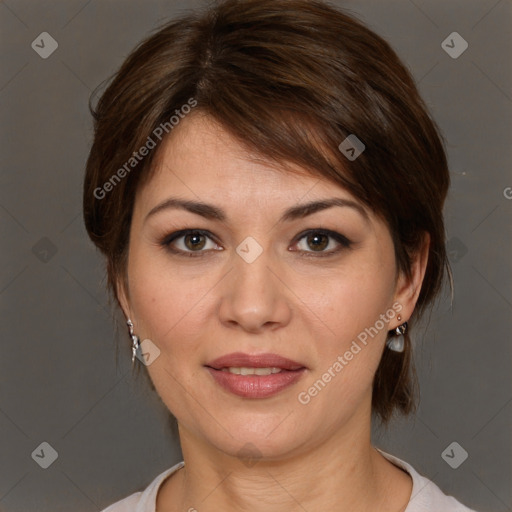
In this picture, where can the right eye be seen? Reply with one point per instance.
(189, 242)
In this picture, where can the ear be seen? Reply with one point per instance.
(122, 293)
(407, 290)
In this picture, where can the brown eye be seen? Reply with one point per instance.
(190, 242)
(318, 242)
(322, 242)
(195, 241)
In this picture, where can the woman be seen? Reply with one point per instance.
(267, 188)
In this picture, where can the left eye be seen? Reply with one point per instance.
(319, 241)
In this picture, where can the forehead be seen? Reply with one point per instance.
(202, 160)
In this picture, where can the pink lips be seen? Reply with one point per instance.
(255, 386)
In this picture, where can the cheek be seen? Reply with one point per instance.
(168, 306)
(349, 305)
(349, 300)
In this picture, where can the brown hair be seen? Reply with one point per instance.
(290, 79)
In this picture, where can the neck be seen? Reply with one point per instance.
(344, 473)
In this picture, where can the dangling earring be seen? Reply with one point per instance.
(135, 340)
(397, 342)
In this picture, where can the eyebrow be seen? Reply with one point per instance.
(209, 211)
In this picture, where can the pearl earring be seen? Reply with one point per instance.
(397, 342)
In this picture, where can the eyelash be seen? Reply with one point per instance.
(343, 241)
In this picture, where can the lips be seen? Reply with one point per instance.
(237, 374)
(241, 360)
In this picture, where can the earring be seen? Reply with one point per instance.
(135, 340)
(397, 342)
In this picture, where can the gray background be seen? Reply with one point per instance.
(60, 381)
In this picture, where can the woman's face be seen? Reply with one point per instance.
(259, 274)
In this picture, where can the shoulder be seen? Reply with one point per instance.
(128, 504)
(143, 501)
(426, 495)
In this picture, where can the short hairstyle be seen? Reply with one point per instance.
(290, 80)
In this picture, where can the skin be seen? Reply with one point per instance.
(316, 456)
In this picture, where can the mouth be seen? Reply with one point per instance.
(243, 370)
(255, 376)
(258, 361)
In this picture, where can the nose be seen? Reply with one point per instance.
(255, 297)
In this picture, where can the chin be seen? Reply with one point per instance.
(257, 435)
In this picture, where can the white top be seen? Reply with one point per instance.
(426, 495)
